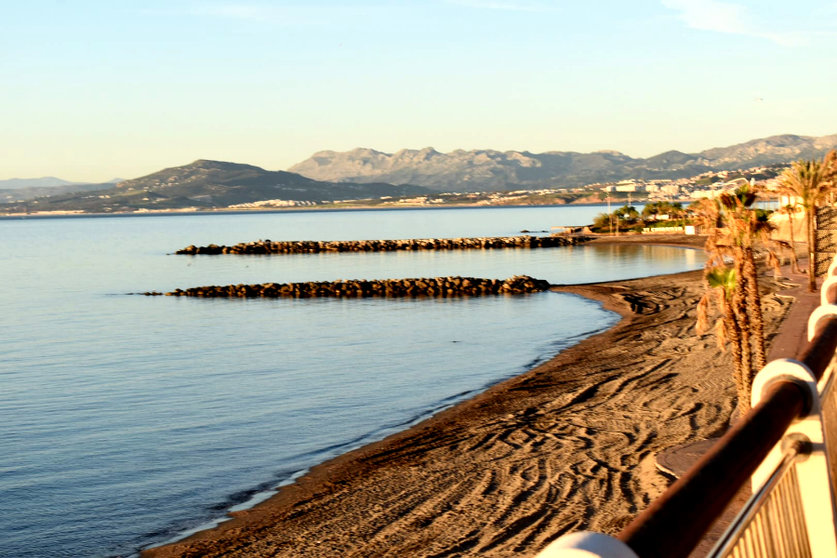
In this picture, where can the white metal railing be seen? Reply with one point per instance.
(773, 523)
(792, 512)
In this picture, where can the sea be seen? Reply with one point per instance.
(128, 421)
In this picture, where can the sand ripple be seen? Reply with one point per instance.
(569, 445)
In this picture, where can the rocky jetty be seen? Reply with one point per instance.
(318, 246)
(358, 288)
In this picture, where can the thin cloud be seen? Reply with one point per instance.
(242, 11)
(506, 6)
(251, 12)
(235, 11)
(723, 17)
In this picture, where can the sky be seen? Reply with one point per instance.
(93, 90)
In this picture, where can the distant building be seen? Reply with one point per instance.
(702, 194)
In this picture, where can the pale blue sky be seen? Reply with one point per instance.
(97, 89)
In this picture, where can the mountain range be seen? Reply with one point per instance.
(42, 182)
(487, 170)
(329, 176)
(23, 189)
(207, 184)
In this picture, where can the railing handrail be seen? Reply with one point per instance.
(786, 406)
(675, 522)
(818, 352)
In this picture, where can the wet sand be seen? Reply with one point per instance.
(568, 445)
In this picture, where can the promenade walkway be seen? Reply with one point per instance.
(794, 330)
(792, 335)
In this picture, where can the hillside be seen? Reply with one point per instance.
(42, 182)
(24, 193)
(485, 170)
(208, 185)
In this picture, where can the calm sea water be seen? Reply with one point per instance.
(126, 420)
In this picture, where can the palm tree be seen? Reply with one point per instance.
(745, 226)
(627, 213)
(676, 212)
(810, 182)
(830, 162)
(722, 283)
(707, 214)
(790, 210)
(734, 325)
(651, 210)
(733, 229)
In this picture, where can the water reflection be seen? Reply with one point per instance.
(621, 252)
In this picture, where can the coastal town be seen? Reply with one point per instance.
(683, 190)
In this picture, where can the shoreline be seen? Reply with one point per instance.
(656, 239)
(567, 445)
(227, 211)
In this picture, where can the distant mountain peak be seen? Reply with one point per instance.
(364, 151)
(781, 139)
(212, 164)
(487, 169)
(42, 182)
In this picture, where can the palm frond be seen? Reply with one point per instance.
(703, 313)
(773, 261)
(723, 277)
(721, 335)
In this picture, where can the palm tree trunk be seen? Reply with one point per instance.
(753, 307)
(794, 260)
(741, 387)
(810, 219)
(739, 305)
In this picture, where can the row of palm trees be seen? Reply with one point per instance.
(627, 218)
(808, 184)
(735, 229)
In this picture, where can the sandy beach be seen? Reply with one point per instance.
(568, 445)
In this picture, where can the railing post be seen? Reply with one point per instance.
(820, 313)
(586, 544)
(813, 471)
(828, 291)
(832, 268)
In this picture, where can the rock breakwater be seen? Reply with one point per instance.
(358, 288)
(318, 246)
